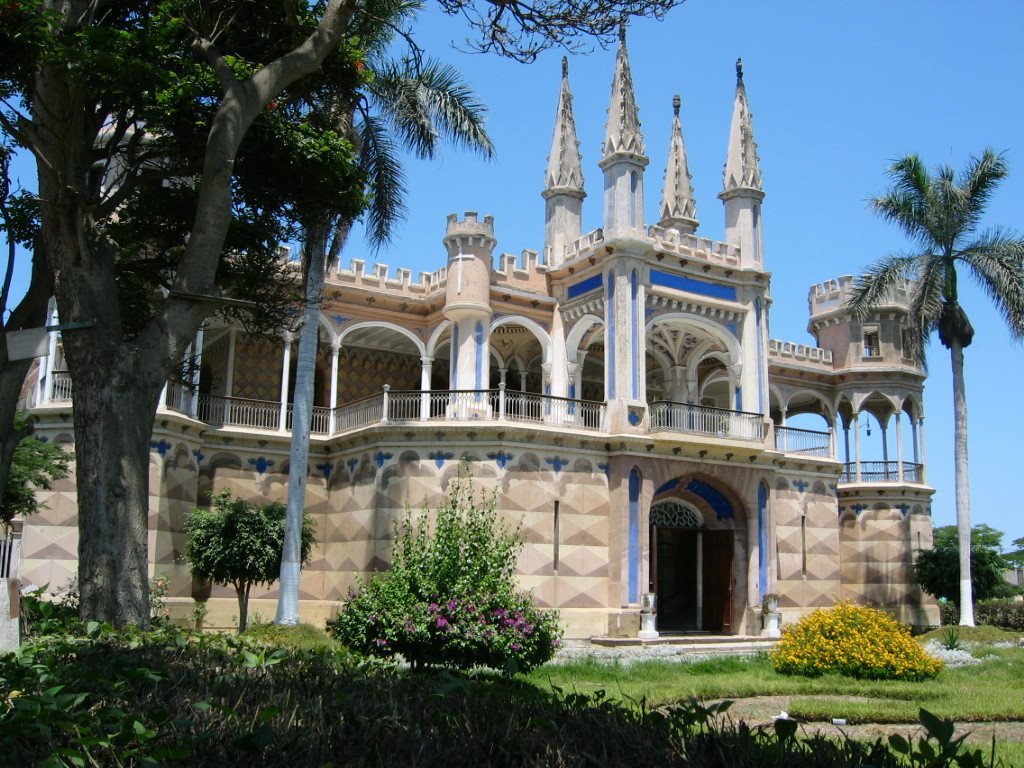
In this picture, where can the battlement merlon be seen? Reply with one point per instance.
(831, 296)
(470, 236)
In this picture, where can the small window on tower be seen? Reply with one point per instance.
(872, 348)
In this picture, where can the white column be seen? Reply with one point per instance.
(286, 365)
(425, 373)
(856, 444)
(924, 460)
(834, 438)
(914, 437)
(335, 352)
(48, 363)
(197, 366)
(229, 376)
(899, 446)
(782, 423)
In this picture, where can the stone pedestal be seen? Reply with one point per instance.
(10, 632)
(648, 617)
(771, 624)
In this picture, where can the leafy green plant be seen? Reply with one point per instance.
(853, 640)
(951, 638)
(35, 466)
(44, 614)
(240, 544)
(450, 597)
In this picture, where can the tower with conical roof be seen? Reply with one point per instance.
(563, 183)
(742, 193)
(678, 208)
(623, 160)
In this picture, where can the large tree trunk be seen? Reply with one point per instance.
(302, 415)
(117, 380)
(963, 491)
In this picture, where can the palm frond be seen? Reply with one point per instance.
(996, 262)
(879, 283)
(978, 181)
(385, 180)
(926, 302)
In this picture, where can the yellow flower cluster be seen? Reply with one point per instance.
(853, 640)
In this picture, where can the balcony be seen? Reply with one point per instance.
(706, 420)
(883, 472)
(806, 442)
(402, 407)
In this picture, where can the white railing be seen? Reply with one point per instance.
(369, 410)
(179, 398)
(808, 442)
(705, 420)
(61, 389)
(239, 412)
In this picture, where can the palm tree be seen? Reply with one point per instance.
(411, 104)
(940, 213)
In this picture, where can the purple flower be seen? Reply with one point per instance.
(381, 642)
(499, 613)
(516, 647)
(453, 605)
(442, 622)
(434, 607)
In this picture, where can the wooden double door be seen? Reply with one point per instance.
(692, 576)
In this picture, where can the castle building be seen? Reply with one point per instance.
(619, 390)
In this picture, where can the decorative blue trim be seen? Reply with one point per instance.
(501, 458)
(584, 286)
(762, 539)
(556, 462)
(261, 463)
(671, 484)
(325, 469)
(858, 508)
(634, 535)
(760, 356)
(739, 398)
(733, 329)
(199, 456)
(692, 285)
(352, 464)
(440, 457)
(634, 418)
(904, 508)
(634, 337)
(381, 457)
(606, 468)
(710, 494)
(338, 319)
(162, 447)
(801, 485)
(610, 335)
(453, 374)
(478, 333)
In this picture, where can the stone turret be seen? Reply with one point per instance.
(678, 208)
(470, 245)
(563, 182)
(624, 157)
(742, 193)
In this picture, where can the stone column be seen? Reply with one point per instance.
(899, 446)
(425, 373)
(856, 445)
(197, 366)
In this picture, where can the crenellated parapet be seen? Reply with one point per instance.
(831, 296)
(800, 353)
(378, 277)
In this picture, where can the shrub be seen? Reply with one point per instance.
(1008, 614)
(855, 641)
(450, 597)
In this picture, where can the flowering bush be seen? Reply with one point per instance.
(853, 640)
(450, 597)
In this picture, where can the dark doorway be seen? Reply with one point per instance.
(687, 603)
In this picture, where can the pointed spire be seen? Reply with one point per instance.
(742, 168)
(565, 167)
(678, 208)
(623, 131)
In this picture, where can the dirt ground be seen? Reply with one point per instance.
(762, 710)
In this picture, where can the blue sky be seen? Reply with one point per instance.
(837, 91)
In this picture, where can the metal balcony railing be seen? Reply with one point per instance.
(883, 472)
(806, 442)
(705, 420)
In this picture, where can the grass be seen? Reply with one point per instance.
(983, 692)
(301, 637)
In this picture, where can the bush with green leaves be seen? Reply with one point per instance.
(450, 597)
(240, 544)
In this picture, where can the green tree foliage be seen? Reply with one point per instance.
(1015, 557)
(940, 212)
(938, 569)
(239, 544)
(450, 598)
(35, 466)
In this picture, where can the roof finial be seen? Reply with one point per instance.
(622, 30)
(565, 66)
(676, 103)
(739, 71)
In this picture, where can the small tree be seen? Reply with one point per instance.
(240, 544)
(450, 598)
(938, 569)
(34, 468)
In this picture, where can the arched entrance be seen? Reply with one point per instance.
(691, 569)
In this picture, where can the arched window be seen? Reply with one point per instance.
(672, 513)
